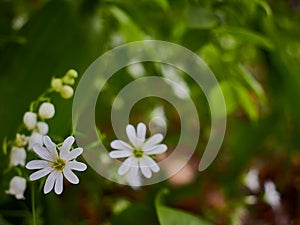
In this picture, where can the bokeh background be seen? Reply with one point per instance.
(253, 48)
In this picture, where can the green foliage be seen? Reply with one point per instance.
(170, 216)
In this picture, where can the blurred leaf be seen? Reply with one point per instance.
(254, 84)
(170, 216)
(3, 221)
(164, 4)
(228, 93)
(200, 18)
(246, 35)
(4, 146)
(128, 28)
(246, 101)
(133, 215)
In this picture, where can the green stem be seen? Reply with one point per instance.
(33, 203)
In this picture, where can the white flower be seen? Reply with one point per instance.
(35, 138)
(17, 187)
(57, 165)
(30, 119)
(138, 152)
(251, 180)
(17, 156)
(46, 110)
(66, 91)
(272, 196)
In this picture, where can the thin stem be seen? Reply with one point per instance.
(33, 203)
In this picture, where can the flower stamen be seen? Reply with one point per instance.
(59, 164)
(138, 153)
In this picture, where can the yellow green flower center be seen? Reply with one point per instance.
(138, 153)
(59, 164)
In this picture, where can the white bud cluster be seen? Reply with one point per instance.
(36, 128)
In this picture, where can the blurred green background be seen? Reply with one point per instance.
(253, 48)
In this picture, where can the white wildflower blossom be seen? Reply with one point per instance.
(17, 187)
(138, 152)
(271, 196)
(46, 110)
(30, 120)
(251, 180)
(17, 156)
(57, 165)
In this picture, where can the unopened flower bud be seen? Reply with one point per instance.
(17, 187)
(21, 140)
(29, 119)
(46, 110)
(68, 80)
(66, 91)
(17, 156)
(42, 128)
(56, 84)
(72, 73)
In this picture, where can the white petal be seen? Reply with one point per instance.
(151, 163)
(158, 149)
(51, 147)
(59, 184)
(41, 173)
(70, 176)
(141, 131)
(67, 144)
(120, 154)
(72, 154)
(74, 165)
(137, 142)
(37, 164)
(125, 166)
(145, 168)
(42, 152)
(133, 173)
(152, 141)
(118, 144)
(49, 184)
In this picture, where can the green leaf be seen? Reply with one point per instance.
(4, 146)
(128, 28)
(228, 93)
(170, 216)
(3, 221)
(164, 4)
(246, 101)
(245, 35)
(200, 18)
(254, 84)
